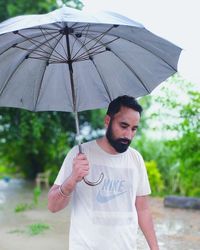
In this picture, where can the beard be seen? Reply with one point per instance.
(120, 144)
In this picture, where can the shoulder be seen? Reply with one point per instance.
(134, 153)
(88, 145)
(137, 158)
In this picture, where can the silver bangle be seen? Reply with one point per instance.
(62, 194)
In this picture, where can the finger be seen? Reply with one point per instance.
(81, 156)
(81, 162)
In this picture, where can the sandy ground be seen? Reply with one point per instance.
(176, 229)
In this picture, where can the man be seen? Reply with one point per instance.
(106, 217)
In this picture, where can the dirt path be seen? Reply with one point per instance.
(176, 229)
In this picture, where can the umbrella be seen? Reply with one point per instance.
(69, 60)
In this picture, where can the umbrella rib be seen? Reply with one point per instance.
(13, 72)
(72, 47)
(40, 55)
(142, 48)
(95, 50)
(129, 67)
(6, 50)
(33, 37)
(96, 39)
(40, 85)
(94, 31)
(17, 43)
(38, 45)
(58, 40)
(145, 87)
(32, 50)
(86, 57)
(104, 83)
(52, 37)
(137, 76)
(91, 51)
(83, 44)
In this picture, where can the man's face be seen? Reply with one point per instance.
(122, 128)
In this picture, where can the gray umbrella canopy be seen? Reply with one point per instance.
(68, 60)
(108, 55)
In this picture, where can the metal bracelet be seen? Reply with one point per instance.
(62, 194)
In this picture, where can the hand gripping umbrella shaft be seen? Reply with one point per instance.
(90, 183)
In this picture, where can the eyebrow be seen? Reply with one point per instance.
(126, 124)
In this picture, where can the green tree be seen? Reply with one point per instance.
(175, 114)
(187, 147)
(35, 142)
(184, 157)
(10, 8)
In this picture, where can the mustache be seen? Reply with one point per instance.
(124, 140)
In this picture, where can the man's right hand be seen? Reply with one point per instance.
(80, 167)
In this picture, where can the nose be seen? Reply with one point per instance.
(129, 134)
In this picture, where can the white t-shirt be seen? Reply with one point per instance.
(104, 217)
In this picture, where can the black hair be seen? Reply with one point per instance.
(123, 101)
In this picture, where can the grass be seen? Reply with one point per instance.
(21, 207)
(33, 229)
(38, 228)
(16, 231)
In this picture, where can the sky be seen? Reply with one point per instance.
(175, 20)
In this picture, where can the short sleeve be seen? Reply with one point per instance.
(143, 182)
(66, 167)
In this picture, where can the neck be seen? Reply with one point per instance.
(105, 145)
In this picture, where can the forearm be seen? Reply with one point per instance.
(56, 200)
(59, 196)
(146, 224)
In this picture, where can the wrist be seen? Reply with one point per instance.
(155, 248)
(68, 186)
(62, 193)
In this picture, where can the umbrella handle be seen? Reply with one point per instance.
(91, 183)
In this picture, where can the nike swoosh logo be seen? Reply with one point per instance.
(105, 198)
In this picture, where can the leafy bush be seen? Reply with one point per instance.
(155, 178)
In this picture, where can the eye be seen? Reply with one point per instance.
(134, 129)
(123, 125)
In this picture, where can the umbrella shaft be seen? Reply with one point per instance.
(69, 62)
(78, 136)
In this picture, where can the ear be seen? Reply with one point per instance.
(107, 120)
